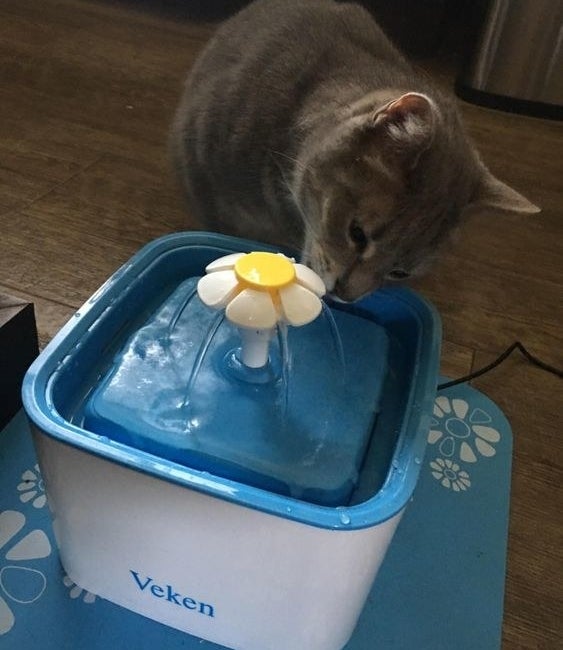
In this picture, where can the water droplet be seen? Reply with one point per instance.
(288, 509)
(417, 460)
(77, 314)
(345, 517)
(395, 464)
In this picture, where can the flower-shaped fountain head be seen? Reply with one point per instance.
(257, 291)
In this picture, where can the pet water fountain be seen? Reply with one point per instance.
(226, 453)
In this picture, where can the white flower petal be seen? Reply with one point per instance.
(460, 407)
(487, 433)
(223, 263)
(27, 496)
(216, 289)
(7, 619)
(89, 597)
(252, 309)
(467, 454)
(444, 403)
(434, 435)
(484, 448)
(33, 546)
(40, 501)
(307, 278)
(11, 522)
(28, 475)
(300, 306)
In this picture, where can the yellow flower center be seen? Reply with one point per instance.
(265, 271)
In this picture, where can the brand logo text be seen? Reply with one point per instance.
(168, 594)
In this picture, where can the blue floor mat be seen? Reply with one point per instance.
(441, 585)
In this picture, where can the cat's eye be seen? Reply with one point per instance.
(398, 274)
(358, 236)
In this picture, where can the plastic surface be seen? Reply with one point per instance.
(253, 581)
(57, 384)
(300, 427)
(264, 270)
(261, 288)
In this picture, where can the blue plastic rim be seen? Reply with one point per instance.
(55, 385)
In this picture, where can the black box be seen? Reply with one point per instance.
(18, 348)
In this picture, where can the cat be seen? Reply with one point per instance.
(303, 126)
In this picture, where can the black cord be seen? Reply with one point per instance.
(515, 346)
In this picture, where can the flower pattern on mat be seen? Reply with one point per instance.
(462, 434)
(450, 474)
(77, 592)
(32, 488)
(19, 582)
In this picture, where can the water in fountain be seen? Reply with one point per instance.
(300, 426)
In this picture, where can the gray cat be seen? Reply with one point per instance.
(303, 126)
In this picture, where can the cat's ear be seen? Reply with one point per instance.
(409, 121)
(403, 128)
(492, 194)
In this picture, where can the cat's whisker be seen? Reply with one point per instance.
(299, 164)
(307, 221)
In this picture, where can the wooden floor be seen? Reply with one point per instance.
(87, 91)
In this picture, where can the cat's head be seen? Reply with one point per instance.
(386, 187)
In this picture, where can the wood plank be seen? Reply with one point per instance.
(456, 360)
(121, 199)
(100, 68)
(61, 266)
(487, 308)
(532, 400)
(18, 189)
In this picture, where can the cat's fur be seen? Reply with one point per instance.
(302, 125)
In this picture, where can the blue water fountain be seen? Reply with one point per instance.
(224, 451)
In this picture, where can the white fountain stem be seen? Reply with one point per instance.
(255, 346)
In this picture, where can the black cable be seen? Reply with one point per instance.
(515, 346)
